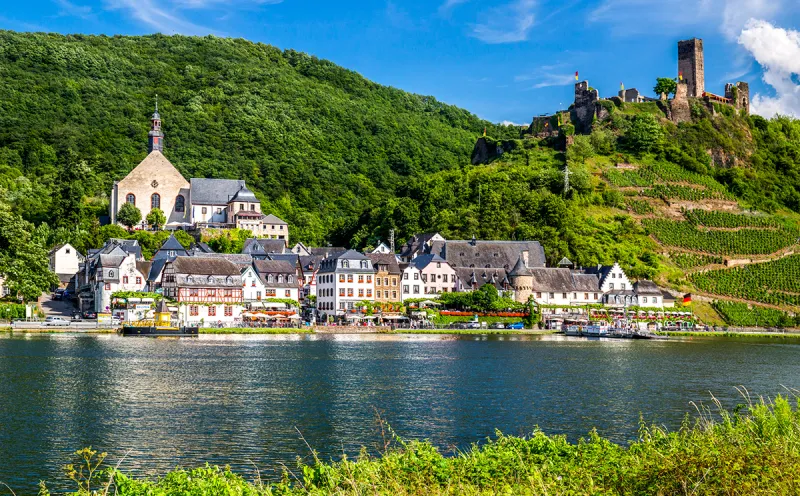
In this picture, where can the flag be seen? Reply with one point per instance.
(559, 119)
(680, 76)
(484, 132)
(621, 86)
(687, 299)
(576, 75)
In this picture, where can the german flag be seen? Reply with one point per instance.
(687, 299)
(576, 75)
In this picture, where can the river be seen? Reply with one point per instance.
(245, 400)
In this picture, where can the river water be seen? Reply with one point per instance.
(245, 400)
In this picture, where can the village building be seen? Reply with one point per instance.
(470, 279)
(436, 275)
(343, 281)
(252, 287)
(65, 262)
(387, 277)
(279, 278)
(263, 247)
(116, 272)
(383, 249)
(411, 286)
(418, 244)
(90, 283)
(207, 290)
(648, 294)
(615, 286)
(201, 203)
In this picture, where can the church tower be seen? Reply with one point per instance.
(156, 135)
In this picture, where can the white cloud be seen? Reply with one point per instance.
(70, 9)
(777, 50)
(554, 80)
(630, 17)
(450, 4)
(509, 23)
(509, 123)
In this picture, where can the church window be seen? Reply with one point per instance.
(180, 203)
(131, 198)
(155, 201)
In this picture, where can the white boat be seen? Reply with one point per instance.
(597, 329)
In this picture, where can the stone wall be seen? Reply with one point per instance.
(739, 94)
(486, 150)
(679, 106)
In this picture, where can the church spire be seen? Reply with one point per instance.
(156, 135)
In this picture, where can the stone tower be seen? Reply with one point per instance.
(156, 135)
(739, 94)
(690, 64)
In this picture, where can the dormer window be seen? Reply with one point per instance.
(280, 278)
(110, 273)
(270, 279)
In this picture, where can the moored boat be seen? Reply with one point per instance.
(161, 325)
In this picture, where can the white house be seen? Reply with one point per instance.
(115, 273)
(342, 281)
(436, 274)
(279, 279)
(252, 288)
(65, 262)
(411, 283)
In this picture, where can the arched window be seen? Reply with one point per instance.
(155, 201)
(290, 279)
(280, 278)
(180, 203)
(131, 198)
(269, 278)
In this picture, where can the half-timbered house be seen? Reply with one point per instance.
(208, 290)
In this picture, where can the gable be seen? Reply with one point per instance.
(155, 167)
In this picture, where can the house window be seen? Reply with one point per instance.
(623, 286)
(219, 211)
(386, 294)
(205, 210)
(138, 280)
(211, 292)
(361, 293)
(194, 292)
(228, 310)
(228, 292)
(288, 293)
(341, 277)
(405, 276)
(585, 296)
(241, 207)
(377, 281)
(108, 286)
(341, 291)
(124, 279)
(438, 265)
(289, 279)
(564, 295)
(280, 278)
(270, 293)
(655, 299)
(538, 295)
(595, 296)
(369, 279)
(552, 296)
(212, 311)
(180, 203)
(385, 281)
(155, 201)
(444, 278)
(394, 295)
(416, 289)
(394, 281)
(611, 286)
(360, 279)
(644, 300)
(416, 276)
(349, 277)
(131, 198)
(341, 305)
(252, 207)
(67, 251)
(194, 310)
(369, 293)
(350, 292)
(270, 279)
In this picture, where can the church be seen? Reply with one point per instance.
(197, 203)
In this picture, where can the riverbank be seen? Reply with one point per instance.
(753, 453)
(733, 334)
(256, 330)
(476, 332)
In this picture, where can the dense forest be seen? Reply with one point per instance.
(345, 160)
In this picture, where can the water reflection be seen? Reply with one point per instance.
(242, 399)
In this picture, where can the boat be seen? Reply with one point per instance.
(597, 330)
(160, 326)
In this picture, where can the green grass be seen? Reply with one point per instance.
(458, 331)
(255, 330)
(753, 450)
(733, 334)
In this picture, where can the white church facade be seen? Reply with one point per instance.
(197, 203)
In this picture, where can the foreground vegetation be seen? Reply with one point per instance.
(721, 452)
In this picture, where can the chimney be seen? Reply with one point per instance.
(525, 258)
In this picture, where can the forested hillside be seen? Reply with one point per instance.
(318, 143)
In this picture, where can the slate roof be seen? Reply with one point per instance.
(563, 280)
(667, 296)
(215, 266)
(602, 271)
(479, 253)
(480, 276)
(330, 264)
(245, 195)
(214, 191)
(327, 251)
(416, 245)
(144, 267)
(242, 260)
(646, 288)
(170, 245)
(266, 267)
(423, 261)
(259, 246)
(156, 267)
(272, 219)
(387, 259)
(108, 261)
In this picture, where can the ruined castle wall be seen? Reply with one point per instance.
(584, 108)
(679, 106)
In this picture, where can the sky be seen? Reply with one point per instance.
(506, 60)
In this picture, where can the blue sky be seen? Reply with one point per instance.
(504, 60)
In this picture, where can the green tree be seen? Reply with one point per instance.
(645, 134)
(129, 215)
(668, 86)
(23, 257)
(156, 218)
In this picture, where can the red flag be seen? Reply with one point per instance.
(576, 75)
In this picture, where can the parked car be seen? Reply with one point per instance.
(88, 314)
(516, 325)
(473, 325)
(497, 325)
(58, 296)
(56, 321)
(115, 321)
(76, 316)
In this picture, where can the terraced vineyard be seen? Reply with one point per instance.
(687, 193)
(747, 242)
(662, 172)
(687, 261)
(775, 283)
(727, 219)
(640, 207)
(738, 314)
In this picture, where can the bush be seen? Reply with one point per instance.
(603, 141)
(644, 134)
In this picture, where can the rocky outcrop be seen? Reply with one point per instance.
(487, 149)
